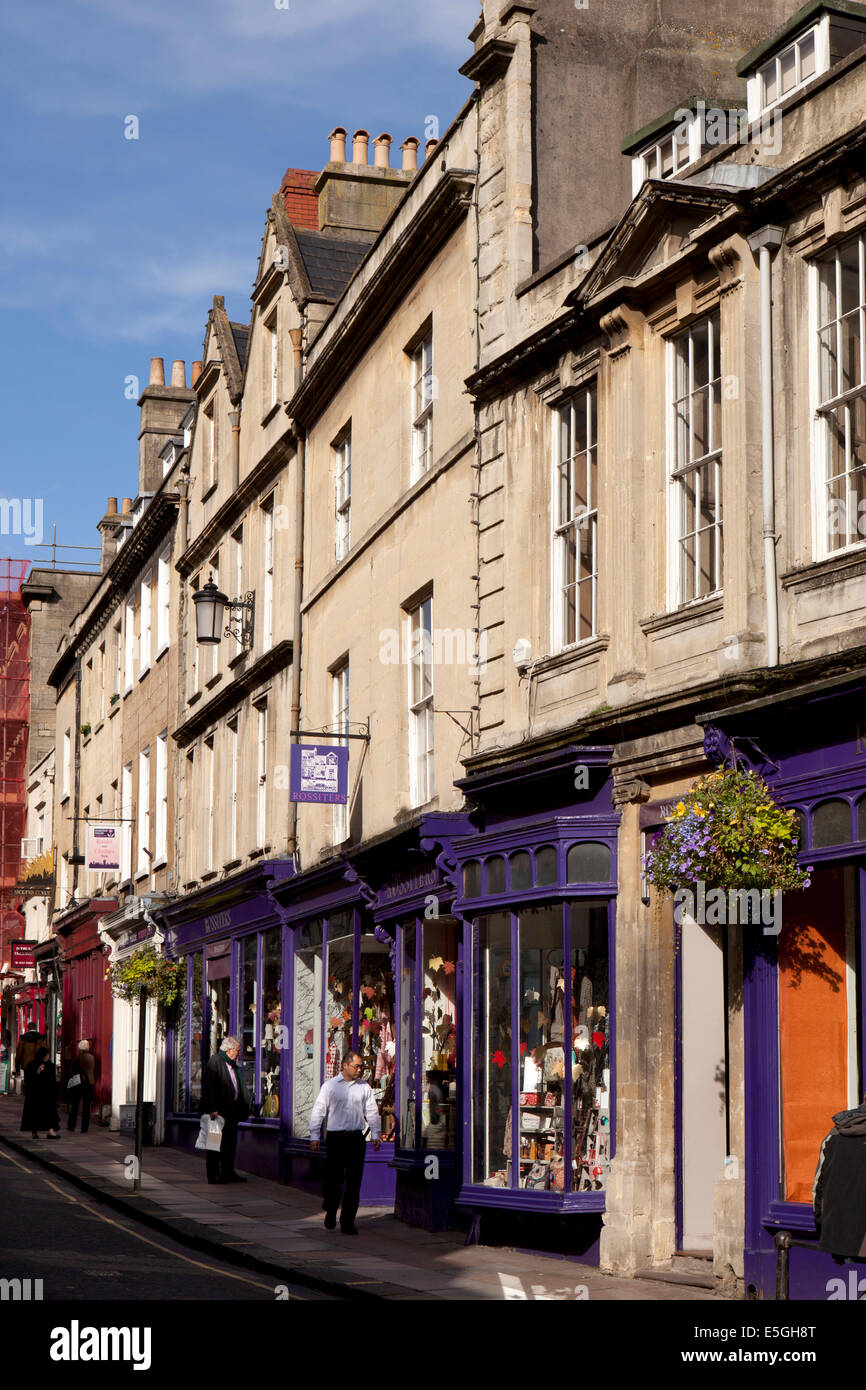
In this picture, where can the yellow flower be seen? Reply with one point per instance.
(680, 808)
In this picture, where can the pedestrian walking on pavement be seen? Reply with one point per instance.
(40, 1096)
(223, 1094)
(26, 1050)
(81, 1094)
(346, 1105)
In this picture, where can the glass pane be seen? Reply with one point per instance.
(788, 65)
(545, 866)
(492, 1135)
(307, 1026)
(521, 870)
(472, 879)
(666, 153)
(588, 863)
(831, 824)
(541, 995)
(179, 1091)
(826, 291)
(591, 1048)
(248, 1016)
(272, 1009)
(861, 820)
(768, 81)
(701, 355)
(376, 1038)
(439, 1103)
(829, 377)
(338, 1004)
(408, 1039)
(807, 57)
(218, 1013)
(496, 874)
(195, 1029)
(849, 263)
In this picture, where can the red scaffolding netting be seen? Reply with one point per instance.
(14, 714)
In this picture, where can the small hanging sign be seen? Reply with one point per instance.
(319, 773)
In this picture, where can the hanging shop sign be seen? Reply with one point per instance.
(23, 955)
(103, 846)
(319, 773)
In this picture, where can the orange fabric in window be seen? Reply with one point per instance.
(813, 1025)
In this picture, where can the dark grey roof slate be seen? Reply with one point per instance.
(240, 333)
(330, 261)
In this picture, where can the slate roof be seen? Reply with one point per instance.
(240, 333)
(330, 262)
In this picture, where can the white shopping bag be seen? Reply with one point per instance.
(210, 1134)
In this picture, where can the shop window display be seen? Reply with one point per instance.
(307, 1050)
(376, 1040)
(545, 866)
(428, 1105)
(272, 1021)
(180, 1087)
(831, 824)
(338, 1010)
(195, 1031)
(548, 1127)
(248, 1013)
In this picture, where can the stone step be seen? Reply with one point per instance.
(692, 1271)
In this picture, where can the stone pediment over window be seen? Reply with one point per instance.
(662, 221)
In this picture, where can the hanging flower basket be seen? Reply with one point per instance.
(728, 832)
(146, 967)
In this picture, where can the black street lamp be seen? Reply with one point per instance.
(210, 608)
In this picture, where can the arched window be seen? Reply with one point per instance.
(495, 867)
(545, 866)
(521, 870)
(588, 862)
(472, 879)
(800, 827)
(861, 818)
(831, 824)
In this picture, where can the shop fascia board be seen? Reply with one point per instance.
(226, 893)
(506, 774)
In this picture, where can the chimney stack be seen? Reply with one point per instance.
(337, 138)
(195, 373)
(359, 147)
(157, 372)
(382, 148)
(127, 506)
(162, 409)
(178, 373)
(111, 509)
(429, 148)
(108, 529)
(410, 153)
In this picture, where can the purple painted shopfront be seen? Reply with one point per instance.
(804, 991)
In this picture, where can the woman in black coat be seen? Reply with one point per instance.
(40, 1096)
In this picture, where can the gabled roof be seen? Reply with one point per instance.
(231, 355)
(657, 224)
(330, 261)
(240, 333)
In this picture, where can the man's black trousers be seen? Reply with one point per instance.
(344, 1159)
(221, 1162)
(79, 1096)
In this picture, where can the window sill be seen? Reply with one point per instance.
(239, 659)
(257, 853)
(209, 491)
(145, 672)
(99, 726)
(833, 569)
(114, 708)
(127, 691)
(269, 414)
(702, 610)
(160, 864)
(196, 695)
(161, 653)
(64, 798)
(188, 887)
(141, 875)
(209, 876)
(214, 680)
(231, 864)
(571, 655)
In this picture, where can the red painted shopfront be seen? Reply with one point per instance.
(87, 1000)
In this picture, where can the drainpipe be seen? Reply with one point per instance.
(235, 422)
(77, 781)
(763, 244)
(300, 466)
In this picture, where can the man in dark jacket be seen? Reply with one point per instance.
(223, 1094)
(839, 1191)
(27, 1045)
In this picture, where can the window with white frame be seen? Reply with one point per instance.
(101, 664)
(66, 780)
(261, 773)
(144, 626)
(790, 68)
(272, 361)
(209, 788)
(421, 772)
(238, 555)
(161, 839)
(163, 600)
(343, 492)
(143, 821)
(232, 729)
(100, 874)
(422, 405)
(340, 725)
(214, 574)
(575, 508)
(664, 157)
(210, 444)
(118, 658)
(126, 819)
(695, 452)
(196, 670)
(129, 640)
(268, 592)
(841, 395)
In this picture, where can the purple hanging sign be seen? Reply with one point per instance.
(319, 772)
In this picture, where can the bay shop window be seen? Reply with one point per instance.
(539, 1035)
(232, 986)
(343, 984)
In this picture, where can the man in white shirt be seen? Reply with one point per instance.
(347, 1104)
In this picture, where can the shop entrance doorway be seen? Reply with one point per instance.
(702, 1088)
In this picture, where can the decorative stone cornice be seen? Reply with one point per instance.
(727, 261)
(488, 62)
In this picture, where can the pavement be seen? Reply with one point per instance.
(278, 1231)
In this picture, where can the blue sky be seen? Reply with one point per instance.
(111, 249)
